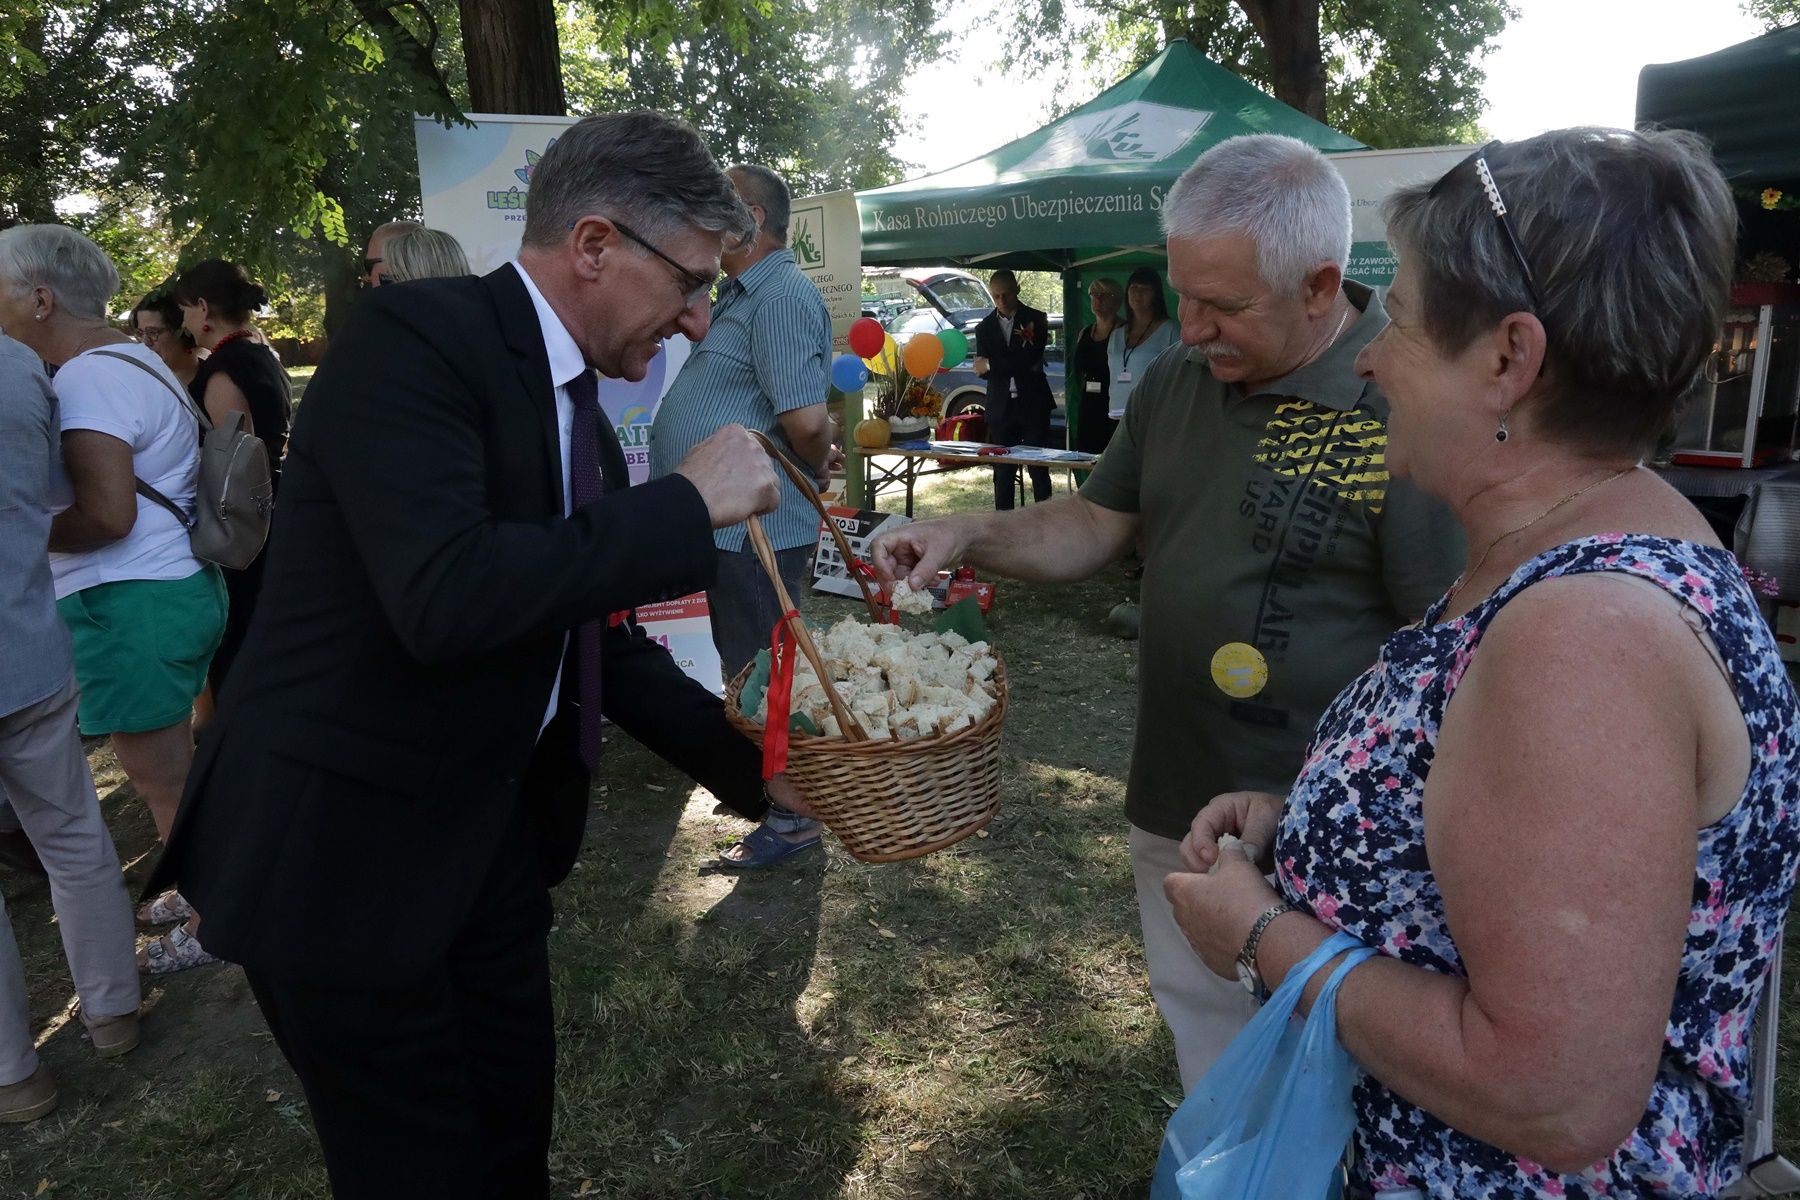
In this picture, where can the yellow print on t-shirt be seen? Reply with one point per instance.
(1345, 453)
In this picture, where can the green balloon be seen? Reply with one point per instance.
(956, 347)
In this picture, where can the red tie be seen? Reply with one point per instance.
(585, 486)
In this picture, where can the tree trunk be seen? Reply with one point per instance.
(514, 63)
(1289, 30)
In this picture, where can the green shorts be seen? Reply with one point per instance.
(142, 647)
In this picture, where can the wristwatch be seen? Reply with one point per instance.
(1247, 973)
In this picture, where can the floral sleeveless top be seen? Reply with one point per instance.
(1351, 850)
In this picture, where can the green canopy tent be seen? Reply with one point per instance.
(1089, 186)
(1734, 98)
(1083, 195)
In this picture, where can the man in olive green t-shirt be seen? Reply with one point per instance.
(1278, 554)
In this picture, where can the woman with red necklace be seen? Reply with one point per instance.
(240, 374)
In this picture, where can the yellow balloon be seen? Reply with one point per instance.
(884, 362)
(924, 351)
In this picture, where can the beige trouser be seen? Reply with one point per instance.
(1203, 1010)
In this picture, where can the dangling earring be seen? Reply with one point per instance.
(206, 327)
(1500, 435)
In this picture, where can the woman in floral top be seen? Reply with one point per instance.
(1565, 807)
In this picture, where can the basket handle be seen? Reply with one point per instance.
(765, 554)
(843, 544)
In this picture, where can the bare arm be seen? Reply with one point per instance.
(105, 508)
(808, 431)
(1057, 542)
(223, 397)
(1560, 824)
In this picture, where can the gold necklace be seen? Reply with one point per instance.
(1464, 578)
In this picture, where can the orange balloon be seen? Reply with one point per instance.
(924, 351)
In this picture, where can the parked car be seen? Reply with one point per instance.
(946, 298)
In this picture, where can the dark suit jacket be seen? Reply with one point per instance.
(383, 716)
(1020, 357)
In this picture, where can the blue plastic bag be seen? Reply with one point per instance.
(1271, 1119)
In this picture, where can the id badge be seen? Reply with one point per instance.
(1124, 376)
(1093, 387)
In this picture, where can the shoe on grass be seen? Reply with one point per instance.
(176, 950)
(112, 1036)
(27, 1100)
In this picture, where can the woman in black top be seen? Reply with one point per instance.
(240, 374)
(1094, 429)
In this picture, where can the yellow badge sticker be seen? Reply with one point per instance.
(1240, 670)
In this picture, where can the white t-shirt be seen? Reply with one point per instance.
(108, 396)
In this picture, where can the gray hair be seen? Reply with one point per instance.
(1630, 237)
(394, 228)
(649, 170)
(422, 253)
(76, 271)
(1279, 192)
(768, 191)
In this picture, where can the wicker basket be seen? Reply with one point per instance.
(885, 799)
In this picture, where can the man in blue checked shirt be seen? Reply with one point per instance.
(765, 364)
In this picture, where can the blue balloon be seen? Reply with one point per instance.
(848, 373)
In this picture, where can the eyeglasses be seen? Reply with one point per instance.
(369, 265)
(697, 286)
(1485, 175)
(150, 337)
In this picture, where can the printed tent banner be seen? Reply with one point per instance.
(1086, 185)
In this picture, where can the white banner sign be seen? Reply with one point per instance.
(1372, 176)
(825, 234)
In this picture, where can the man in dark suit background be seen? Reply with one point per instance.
(1009, 354)
(372, 826)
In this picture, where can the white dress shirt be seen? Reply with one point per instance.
(566, 363)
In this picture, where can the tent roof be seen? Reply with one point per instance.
(1086, 186)
(1734, 98)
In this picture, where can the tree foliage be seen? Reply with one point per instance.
(279, 133)
(1773, 13)
(1387, 72)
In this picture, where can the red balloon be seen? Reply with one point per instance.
(867, 337)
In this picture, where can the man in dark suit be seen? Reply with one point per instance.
(1009, 354)
(372, 824)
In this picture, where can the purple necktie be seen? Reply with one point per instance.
(585, 486)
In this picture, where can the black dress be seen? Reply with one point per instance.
(1095, 428)
(253, 367)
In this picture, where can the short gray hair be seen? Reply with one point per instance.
(1630, 237)
(422, 253)
(649, 170)
(76, 271)
(768, 191)
(1279, 192)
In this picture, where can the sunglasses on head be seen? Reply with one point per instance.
(1484, 174)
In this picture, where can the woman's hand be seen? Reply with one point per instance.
(1216, 910)
(1251, 817)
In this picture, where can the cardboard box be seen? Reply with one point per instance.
(860, 527)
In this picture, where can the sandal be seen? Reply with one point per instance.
(170, 908)
(766, 848)
(176, 950)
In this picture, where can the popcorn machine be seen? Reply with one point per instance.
(1743, 411)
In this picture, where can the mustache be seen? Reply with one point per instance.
(1219, 350)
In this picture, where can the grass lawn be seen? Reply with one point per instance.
(975, 1024)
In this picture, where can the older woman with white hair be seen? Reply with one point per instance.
(144, 613)
(1563, 806)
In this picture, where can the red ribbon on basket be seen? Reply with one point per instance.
(781, 694)
(860, 566)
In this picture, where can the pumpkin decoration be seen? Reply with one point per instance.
(872, 434)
